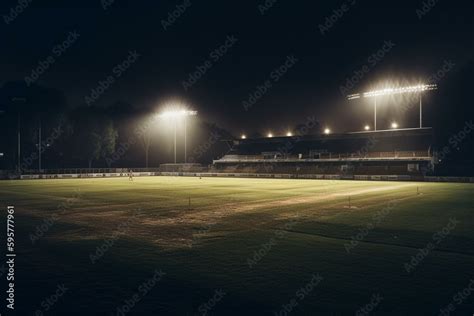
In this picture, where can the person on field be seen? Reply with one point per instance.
(130, 174)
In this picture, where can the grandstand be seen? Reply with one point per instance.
(384, 152)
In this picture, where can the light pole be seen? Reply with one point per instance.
(185, 154)
(375, 114)
(393, 91)
(175, 114)
(175, 123)
(39, 146)
(16, 99)
(19, 144)
(421, 113)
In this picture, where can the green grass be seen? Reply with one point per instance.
(202, 232)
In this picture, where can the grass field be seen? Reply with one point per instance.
(225, 246)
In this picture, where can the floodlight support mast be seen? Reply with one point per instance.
(421, 113)
(15, 99)
(19, 143)
(39, 146)
(174, 140)
(175, 115)
(392, 91)
(185, 155)
(375, 114)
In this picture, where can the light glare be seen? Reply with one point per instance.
(177, 113)
(391, 91)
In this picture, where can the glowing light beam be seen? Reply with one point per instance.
(392, 91)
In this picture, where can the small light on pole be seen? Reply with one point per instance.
(327, 131)
(394, 125)
(243, 136)
(367, 127)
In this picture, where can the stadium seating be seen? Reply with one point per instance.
(374, 153)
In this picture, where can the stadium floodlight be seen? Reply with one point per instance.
(401, 90)
(392, 91)
(394, 125)
(327, 131)
(243, 136)
(175, 115)
(289, 134)
(367, 127)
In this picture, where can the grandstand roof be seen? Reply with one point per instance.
(413, 139)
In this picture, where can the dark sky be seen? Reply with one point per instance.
(420, 47)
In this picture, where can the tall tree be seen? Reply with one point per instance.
(100, 142)
(108, 139)
(95, 133)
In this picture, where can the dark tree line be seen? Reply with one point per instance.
(117, 135)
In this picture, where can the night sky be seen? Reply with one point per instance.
(412, 45)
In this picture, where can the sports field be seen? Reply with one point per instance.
(228, 246)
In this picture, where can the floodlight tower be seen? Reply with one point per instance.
(375, 114)
(175, 115)
(187, 113)
(392, 91)
(14, 100)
